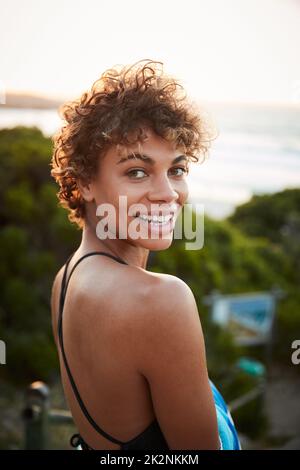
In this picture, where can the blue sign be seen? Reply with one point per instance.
(248, 316)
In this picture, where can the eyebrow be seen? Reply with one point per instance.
(149, 160)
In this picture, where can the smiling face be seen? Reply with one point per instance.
(153, 180)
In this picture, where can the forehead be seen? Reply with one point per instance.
(154, 145)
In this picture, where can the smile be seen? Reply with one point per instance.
(156, 219)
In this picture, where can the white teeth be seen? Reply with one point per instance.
(156, 219)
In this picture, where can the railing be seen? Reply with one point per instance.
(37, 416)
(246, 398)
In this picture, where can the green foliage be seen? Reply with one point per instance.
(35, 239)
(255, 249)
(276, 218)
(274, 221)
(268, 215)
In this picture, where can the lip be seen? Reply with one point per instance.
(172, 211)
(157, 228)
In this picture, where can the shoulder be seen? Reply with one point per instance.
(150, 297)
(170, 293)
(167, 323)
(129, 288)
(168, 297)
(134, 300)
(169, 352)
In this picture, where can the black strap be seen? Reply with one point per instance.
(77, 440)
(64, 286)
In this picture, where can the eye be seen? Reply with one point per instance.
(184, 170)
(132, 173)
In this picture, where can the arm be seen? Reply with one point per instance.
(171, 356)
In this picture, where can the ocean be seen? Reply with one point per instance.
(257, 151)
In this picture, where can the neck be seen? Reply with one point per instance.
(131, 254)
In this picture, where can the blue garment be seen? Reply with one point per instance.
(227, 432)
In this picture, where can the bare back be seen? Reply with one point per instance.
(98, 326)
(136, 350)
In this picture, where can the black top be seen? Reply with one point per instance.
(152, 437)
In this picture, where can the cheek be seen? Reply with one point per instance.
(106, 188)
(118, 198)
(183, 191)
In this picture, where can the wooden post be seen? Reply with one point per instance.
(35, 415)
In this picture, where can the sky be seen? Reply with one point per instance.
(220, 50)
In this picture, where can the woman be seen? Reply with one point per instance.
(131, 348)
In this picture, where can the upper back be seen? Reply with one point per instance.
(99, 322)
(113, 302)
(126, 329)
(100, 289)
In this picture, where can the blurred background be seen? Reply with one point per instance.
(239, 61)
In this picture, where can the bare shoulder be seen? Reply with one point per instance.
(169, 317)
(152, 311)
(171, 294)
(130, 302)
(155, 298)
(170, 354)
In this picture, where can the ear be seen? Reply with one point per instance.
(86, 190)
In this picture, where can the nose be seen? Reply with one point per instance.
(162, 191)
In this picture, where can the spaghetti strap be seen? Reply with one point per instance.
(64, 286)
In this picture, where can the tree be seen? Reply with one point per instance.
(36, 238)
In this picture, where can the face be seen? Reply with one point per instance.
(151, 187)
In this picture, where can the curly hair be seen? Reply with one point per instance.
(113, 112)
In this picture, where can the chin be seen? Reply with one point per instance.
(155, 244)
